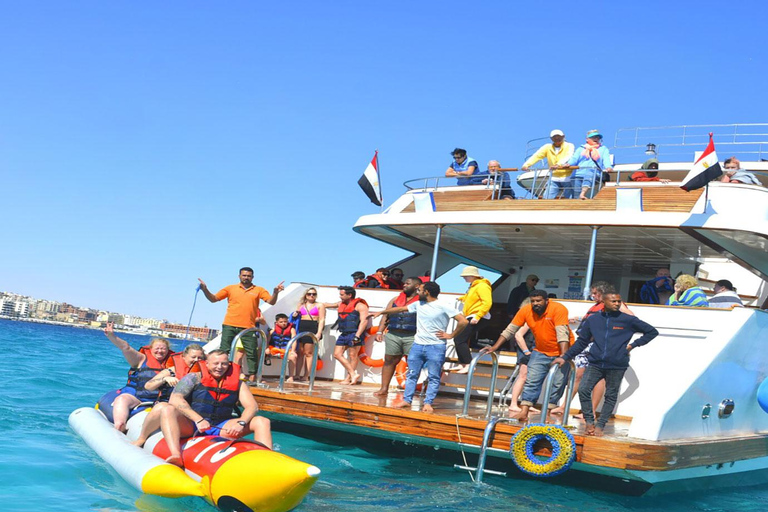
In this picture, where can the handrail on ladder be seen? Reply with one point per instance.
(492, 388)
(568, 395)
(487, 433)
(262, 336)
(288, 348)
(507, 389)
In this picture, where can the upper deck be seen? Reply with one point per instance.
(643, 225)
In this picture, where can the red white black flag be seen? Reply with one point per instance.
(704, 170)
(369, 181)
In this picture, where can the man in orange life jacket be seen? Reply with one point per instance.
(242, 311)
(353, 319)
(378, 279)
(401, 327)
(204, 403)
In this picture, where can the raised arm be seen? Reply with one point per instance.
(273, 298)
(131, 355)
(208, 295)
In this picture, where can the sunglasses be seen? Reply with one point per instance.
(312, 294)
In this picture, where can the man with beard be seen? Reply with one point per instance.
(400, 328)
(549, 323)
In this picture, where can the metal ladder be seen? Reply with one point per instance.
(262, 340)
(490, 427)
(288, 348)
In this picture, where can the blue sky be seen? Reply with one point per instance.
(145, 144)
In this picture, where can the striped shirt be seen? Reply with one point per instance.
(725, 300)
(693, 296)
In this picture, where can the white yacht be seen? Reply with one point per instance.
(688, 410)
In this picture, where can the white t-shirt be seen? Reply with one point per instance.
(430, 318)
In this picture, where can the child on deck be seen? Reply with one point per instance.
(279, 337)
(611, 332)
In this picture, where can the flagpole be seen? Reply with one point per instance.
(378, 171)
(706, 197)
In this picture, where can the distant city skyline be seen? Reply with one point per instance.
(144, 145)
(14, 305)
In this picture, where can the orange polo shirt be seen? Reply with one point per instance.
(543, 327)
(243, 304)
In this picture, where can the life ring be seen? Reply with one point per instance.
(365, 358)
(401, 374)
(563, 450)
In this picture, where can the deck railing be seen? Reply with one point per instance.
(288, 348)
(261, 336)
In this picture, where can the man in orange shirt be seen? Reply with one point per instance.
(242, 310)
(549, 323)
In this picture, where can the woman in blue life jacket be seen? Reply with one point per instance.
(145, 363)
(592, 159)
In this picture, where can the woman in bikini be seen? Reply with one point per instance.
(312, 314)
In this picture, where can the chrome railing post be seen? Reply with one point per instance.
(284, 366)
(491, 389)
(548, 390)
(504, 394)
(262, 354)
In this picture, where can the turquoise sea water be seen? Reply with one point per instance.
(48, 371)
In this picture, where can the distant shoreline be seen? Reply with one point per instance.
(83, 326)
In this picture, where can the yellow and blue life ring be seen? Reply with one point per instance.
(563, 450)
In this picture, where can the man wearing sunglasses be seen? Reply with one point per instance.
(462, 167)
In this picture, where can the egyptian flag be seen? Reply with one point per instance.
(704, 170)
(369, 181)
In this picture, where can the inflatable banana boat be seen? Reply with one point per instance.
(234, 475)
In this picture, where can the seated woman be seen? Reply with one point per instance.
(648, 172)
(687, 293)
(311, 316)
(178, 366)
(145, 364)
(733, 173)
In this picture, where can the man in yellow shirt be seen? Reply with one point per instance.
(242, 310)
(557, 154)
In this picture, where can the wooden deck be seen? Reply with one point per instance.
(655, 199)
(339, 407)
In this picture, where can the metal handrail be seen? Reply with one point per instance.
(480, 469)
(288, 348)
(410, 184)
(262, 337)
(507, 389)
(491, 389)
(548, 391)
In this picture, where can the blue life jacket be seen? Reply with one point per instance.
(280, 337)
(403, 321)
(215, 400)
(138, 377)
(465, 180)
(349, 318)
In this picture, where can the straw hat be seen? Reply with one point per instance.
(470, 271)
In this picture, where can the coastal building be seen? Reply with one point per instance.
(203, 333)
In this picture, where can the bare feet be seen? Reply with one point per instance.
(519, 416)
(356, 379)
(598, 432)
(427, 408)
(590, 429)
(402, 405)
(175, 460)
(463, 369)
(139, 442)
(381, 392)
(557, 410)
(346, 381)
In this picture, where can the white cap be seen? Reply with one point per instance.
(556, 132)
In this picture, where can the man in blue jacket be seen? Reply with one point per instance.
(611, 332)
